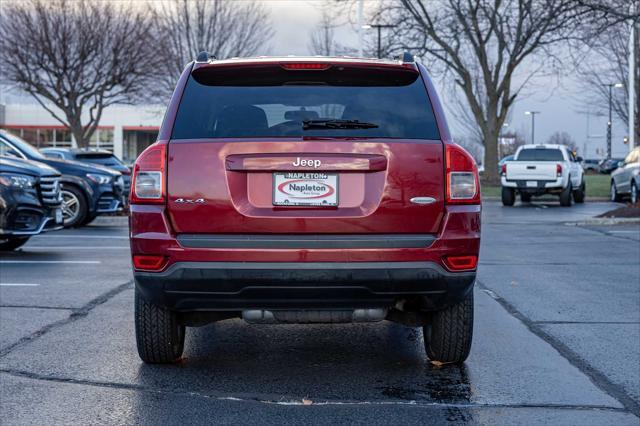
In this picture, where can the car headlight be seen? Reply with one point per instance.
(99, 179)
(17, 181)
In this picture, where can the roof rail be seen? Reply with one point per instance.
(204, 57)
(408, 58)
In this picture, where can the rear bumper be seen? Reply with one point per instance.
(540, 185)
(232, 286)
(271, 271)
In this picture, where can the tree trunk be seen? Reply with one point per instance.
(78, 132)
(490, 175)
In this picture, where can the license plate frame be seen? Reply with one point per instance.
(309, 191)
(532, 183)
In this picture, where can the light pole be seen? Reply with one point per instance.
(610, 86)
(379, 27)
(533, 124)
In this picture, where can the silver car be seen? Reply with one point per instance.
(625, 180)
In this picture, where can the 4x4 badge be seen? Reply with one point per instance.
(189, 201)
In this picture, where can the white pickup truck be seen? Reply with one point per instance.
(543, 169)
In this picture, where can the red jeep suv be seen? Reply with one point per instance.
(304, 190)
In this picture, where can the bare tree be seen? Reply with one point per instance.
(562, 138)
(607, 62)
(224, 28)
(612, 12)
(483, 45)
(322, 39)
(78, 56)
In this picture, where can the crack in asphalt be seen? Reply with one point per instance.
(74, 316)
(598, 378)
(305, 401)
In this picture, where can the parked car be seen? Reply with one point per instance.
(101, 157)
(504, 160)
(608, 165)
(591, 165)
(87, 190)
(543, 169)
(30, 201)
(625, 180)
(304, 190)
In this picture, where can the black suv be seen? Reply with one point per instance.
(94, 156)
(30, 201)
(87, 190)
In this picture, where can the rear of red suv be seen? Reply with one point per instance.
(309, 190)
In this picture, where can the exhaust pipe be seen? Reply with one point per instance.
(259, 316)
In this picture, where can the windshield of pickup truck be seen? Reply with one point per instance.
(540, 154)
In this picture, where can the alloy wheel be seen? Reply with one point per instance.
(634, 193)
(70, 206)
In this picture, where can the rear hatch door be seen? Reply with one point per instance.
(267, 150)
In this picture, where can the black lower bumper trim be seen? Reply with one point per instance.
(306, 241)
(194, 286)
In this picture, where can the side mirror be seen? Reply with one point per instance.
(579, 159)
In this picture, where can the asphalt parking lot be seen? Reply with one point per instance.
(557, 340)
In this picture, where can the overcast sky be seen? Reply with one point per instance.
(559, 98)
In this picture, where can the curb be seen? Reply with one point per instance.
(606, 221)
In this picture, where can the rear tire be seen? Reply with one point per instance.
(565, 196)
(13, 243)
(508, 196)
(613, 193)
(159, 336)
(580, 193)
(634, 193)
(525, 198)
(448, 338)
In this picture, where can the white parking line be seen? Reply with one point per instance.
(18, 285)
(83, 262)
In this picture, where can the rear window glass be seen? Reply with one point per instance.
(540, 154)
(401, 110)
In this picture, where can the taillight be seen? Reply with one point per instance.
(461, 263)
(462, 186)
(149, 174)
(148, 262)
(558, 170)
(503, 170)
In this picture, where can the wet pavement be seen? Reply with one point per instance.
(556, 341)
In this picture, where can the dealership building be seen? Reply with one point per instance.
(125, 130)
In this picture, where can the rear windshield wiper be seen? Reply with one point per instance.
(337, 124)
